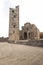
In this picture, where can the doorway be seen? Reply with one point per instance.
(25, 35)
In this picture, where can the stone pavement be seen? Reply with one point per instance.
(15, 54)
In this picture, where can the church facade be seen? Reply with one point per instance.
(29, 31)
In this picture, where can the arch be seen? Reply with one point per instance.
(25, 35)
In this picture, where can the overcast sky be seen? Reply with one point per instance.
(30, 11)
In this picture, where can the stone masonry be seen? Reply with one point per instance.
(14, 24)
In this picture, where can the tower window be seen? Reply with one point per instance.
(13, 11)
(14, 26)
(14, 16)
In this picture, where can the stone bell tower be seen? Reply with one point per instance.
(14, 24)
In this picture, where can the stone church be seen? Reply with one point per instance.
(29, 31)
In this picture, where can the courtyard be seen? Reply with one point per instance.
(16, 54)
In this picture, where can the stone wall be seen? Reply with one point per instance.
(38, 43)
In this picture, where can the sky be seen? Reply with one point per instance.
(29, 11)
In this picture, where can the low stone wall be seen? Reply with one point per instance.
(22, 41)
(38, 43)
(35, 43)
(3, 39)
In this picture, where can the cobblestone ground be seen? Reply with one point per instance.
(15, 54)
